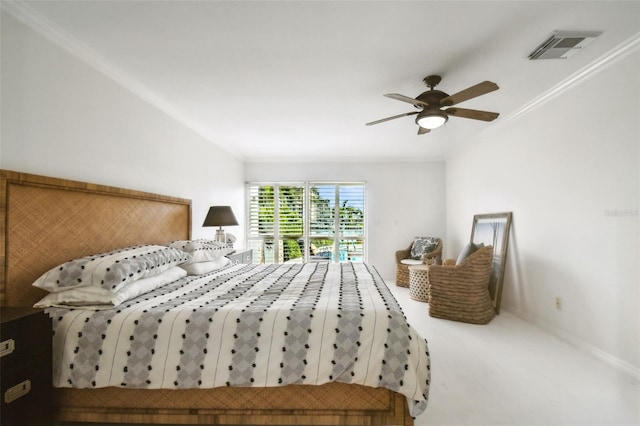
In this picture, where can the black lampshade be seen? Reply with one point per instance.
(220, 216)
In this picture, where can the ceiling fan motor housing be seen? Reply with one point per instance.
(432, 97)
(433, 111)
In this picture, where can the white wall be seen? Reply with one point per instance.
(63, 118)
(569, 172)
(404, 199)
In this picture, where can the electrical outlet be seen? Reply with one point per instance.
(558, 303)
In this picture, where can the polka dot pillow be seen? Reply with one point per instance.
(202, 250)
(112, 270)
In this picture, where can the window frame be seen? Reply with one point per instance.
(338, 234)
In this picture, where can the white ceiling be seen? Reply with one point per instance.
(297, 80)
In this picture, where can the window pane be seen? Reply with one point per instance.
(261, 211)
(321, 250)
(292, 251)
(291, 215)
(269, 252)
(351, 210)
(322, 203)
(258, 254)
(351, 251)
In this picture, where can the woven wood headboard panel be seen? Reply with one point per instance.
(47, 221)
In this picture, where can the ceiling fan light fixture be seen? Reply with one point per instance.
(429, 115)
(431, 119)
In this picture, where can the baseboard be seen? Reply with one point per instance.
(608, 358)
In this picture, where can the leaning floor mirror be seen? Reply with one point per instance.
(493, 229)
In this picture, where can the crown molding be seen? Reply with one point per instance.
(617, 53)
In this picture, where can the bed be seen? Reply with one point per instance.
(47, 221)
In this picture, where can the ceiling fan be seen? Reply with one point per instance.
(431, 102)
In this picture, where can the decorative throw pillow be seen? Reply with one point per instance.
(423, 245)
(94, 298)
(467, 251)
(200, 268)
(202, 250)
(112, 270)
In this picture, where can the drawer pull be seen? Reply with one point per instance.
(17, 391)
(7, 347)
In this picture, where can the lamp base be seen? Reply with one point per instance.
(220, 237)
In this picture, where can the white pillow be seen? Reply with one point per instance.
(205, 267)
(112, 270)
(95, 296)
(202, 250)
(467, 251)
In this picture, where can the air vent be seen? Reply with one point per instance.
(562, 44)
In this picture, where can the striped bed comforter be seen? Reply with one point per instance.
(248, 325)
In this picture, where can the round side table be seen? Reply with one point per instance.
(418, 287)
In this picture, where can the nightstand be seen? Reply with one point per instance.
(241, 256)
(25, 366)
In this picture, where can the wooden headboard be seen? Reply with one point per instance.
(47, 221)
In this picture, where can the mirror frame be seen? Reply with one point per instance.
(493, 229)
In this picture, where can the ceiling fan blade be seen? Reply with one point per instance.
(422, 130)
(469, 93)
(391, 118)
(472, 113)
(407, 99)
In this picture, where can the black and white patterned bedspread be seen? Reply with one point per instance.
(248, 325)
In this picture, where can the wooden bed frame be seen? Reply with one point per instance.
(46, 221)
